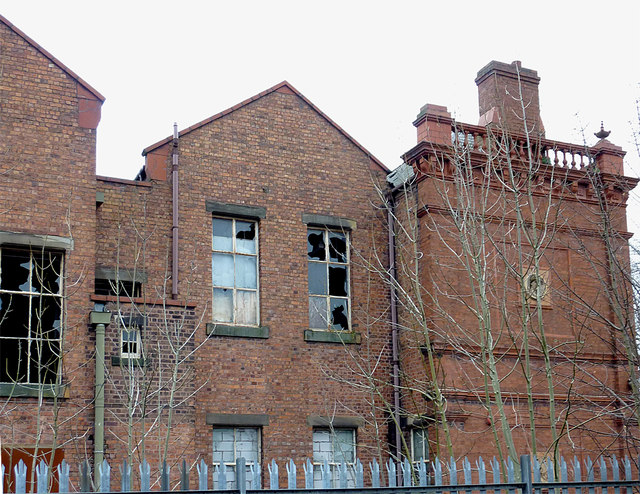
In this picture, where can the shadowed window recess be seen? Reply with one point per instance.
(234, 268)
(328, 265)
(31, 301)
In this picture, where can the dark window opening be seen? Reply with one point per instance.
(122, 289)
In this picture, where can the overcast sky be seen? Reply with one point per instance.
(369, 66)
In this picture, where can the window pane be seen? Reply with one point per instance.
(43, 365)
(246, 309)
(339, 314)
(317, 278)
(318, 313)
(337, 247)
(337, 280)
(222, 305)
(315, 245)
(14, 270)
(14, 315)
(343, 447)
(46, 314)
(322, 447)
(246, 276)
(245, 237)
(222, 269)
(419, 444)
(13, 360)
(222, 234)
(47, 273)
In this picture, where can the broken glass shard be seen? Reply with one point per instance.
(245, 237)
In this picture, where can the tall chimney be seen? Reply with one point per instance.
(503, 90)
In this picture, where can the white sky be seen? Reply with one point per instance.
(369, 66)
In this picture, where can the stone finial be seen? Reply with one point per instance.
(602, 134)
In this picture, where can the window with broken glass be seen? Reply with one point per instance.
(130, 344)
(31, 301)
(234, 267)
(328, 259)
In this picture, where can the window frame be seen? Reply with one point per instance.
(232, 464)
(34, 252)
(333, 464)
(326, 232)
(131, 328)
(235, 254)
(425, 445)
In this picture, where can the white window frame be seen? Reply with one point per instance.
(327, 262)
(425, 445)
(131, 328)
(35, 252)
(234, 253)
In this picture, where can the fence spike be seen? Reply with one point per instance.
(577, 474)
(184, 477)
(359, 474)
(42, 474)
(274, 483)
(125, 477)
(482, 472)
(343, 475)
(255, 477)
(105, 476)
(165, 484)
(627, 468)
(422, 475)
(437, 470)
(221, 474)
(292, 474)
(564, 474)
(495, 468)
(615, 472)
(63, 477)
(325, 473)
(375, 473)
(20, 472)
(85, 476)
(307, 466)
(603, 469)
(453, 471)
(391, 472)
(550, 471)
(525, 474)
(406, 472)
(590, 474)
(145, 476)
(511, 474)
(536, 470)
(466, 468)
(241, 475)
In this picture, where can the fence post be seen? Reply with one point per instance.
(391, 472)
(292, 479)
(307, 466)
(274, 482)
(63, 477)
(85, 477)
(241, 475)
(42, 472)
(359, 474)
(525, 474)
(375, 473)
(105, 476)
(165, 484)
(145, 476)
(20, 472)
(125, 477)
(184, 477)
(255, 476)
(203, 473)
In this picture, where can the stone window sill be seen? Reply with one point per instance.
(126, 362)
(19, 390)
(237, 331)
(343, 337)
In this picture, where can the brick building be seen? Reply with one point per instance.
(234, 299)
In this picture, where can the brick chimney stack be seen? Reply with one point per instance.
(499, 88)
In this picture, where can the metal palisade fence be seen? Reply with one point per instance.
(613, 477)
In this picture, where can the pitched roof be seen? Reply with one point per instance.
(53, 59)
(282, 85)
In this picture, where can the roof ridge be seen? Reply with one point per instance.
(48, 55)
(251, 99)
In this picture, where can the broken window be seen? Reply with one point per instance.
(130, 341)
(30, 315)
(234, 268)
(328, 264)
